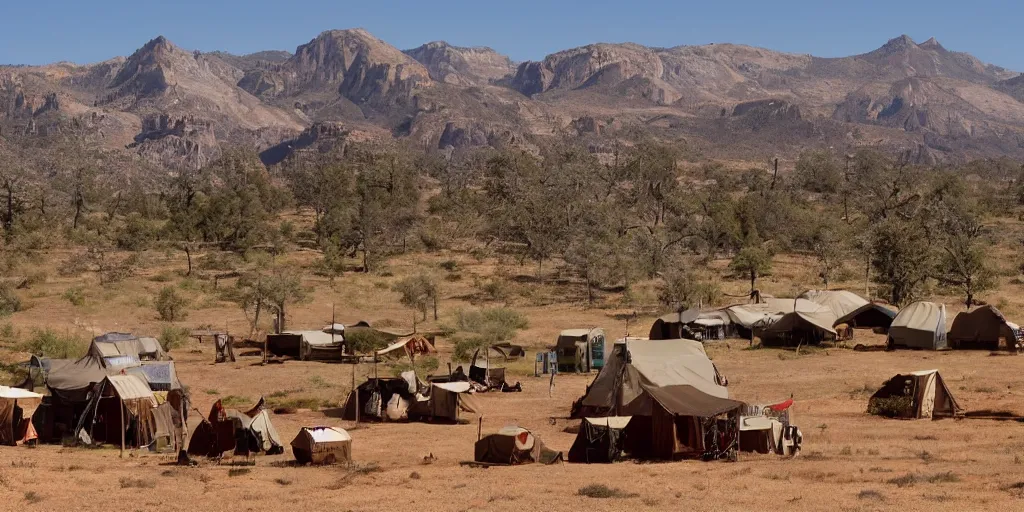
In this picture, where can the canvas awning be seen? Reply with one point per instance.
(840, 302)
(131, 387)
(798, 320)
(685, 400)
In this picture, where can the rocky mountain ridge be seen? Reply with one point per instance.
(177, 108)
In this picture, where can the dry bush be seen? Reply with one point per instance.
(32, 497)
(603, 492)
(890, 407)
(869, 494)
(239, 471)
(282, 481)
(135, 483)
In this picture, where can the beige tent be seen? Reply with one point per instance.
(800, 328)
(748, 317)
(513, 445)
(16, 409)
(120, 411)
(984, 328)
(118, 350)
(712, 324)
(920, 325)
(322, 445)
(617, 389)
(840, 302)
(920, 394)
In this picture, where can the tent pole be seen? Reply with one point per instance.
(355, 391)
(737, 434)
(121, 403)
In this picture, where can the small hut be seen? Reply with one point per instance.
(512, 446)
(322, 445)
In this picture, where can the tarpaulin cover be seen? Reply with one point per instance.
(600, 440)
(513, 445)
(322, 445)
(920, 325)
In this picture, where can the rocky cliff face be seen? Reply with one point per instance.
(172, 105)
(462, 66)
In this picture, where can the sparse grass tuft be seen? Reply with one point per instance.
(32, 497)
(239, 471)
(282, 481)
(903, 481)
(234, 400)
(603, 492)
(135, 483)
(869, 494)
(414, 476)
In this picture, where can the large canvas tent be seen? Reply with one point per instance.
(16, 409)
(306, 345)
(984, 328)
(921, 325)
(749, 317)
(709, 324)
(322, 445)
(868, 316)
(800, 328)
(670, 388)
(600, 440)
(513, 445)
(922, 394)
(120, 411)
(839, 302)
(118, 349)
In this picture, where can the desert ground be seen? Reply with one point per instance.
(850, 460)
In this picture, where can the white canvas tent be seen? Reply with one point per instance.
(799, 328)
(920, 325)
(921, 394)
(840, 302)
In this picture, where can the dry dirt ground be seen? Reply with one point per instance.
(850, 461)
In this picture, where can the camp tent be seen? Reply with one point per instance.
(379, 398)
(800, 328)
(322, 445)
(16, 409)
(120, 410)
(922, 394)
(118, 349)
(920, 325)
(619, 385)
(707, 324)
(513, 445)
(306, 345)
(984, 328)
(839, 302)
(670, 388)
(599, 440)
(408, 346)
(575, 349)
(244, 432)
(868, 316)
(749, 317)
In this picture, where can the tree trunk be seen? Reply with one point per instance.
(9, 220)
(188, 256)
(753, 280)
(435, 308)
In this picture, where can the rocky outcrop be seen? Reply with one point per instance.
(462, 66)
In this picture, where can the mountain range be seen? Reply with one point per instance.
(179, 108)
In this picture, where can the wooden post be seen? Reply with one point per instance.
(122, 425)
(184, 424)
(355, 391)
(738, 425)
(479, 428)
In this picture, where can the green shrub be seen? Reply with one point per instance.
(890, 407)
(48, 343)
(170, 305)
(9, 301)
(363, 341)
(475, 329)
(603, 491)
(423, 366)
(173, 337)
(75, 295)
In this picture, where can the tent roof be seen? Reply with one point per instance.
(454, 387)
(618, 422)
(845, 319)
(822, 321)
(750, 315)
(841, 302)
(66, 375)
(130, 387)
(317, 338)
(327, 434)
(685, 400)
(17, 393)
(575, 333)
(922, 316)
(663, 363)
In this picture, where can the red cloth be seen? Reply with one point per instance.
(779, 407)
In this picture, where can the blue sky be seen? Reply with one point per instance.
(93, 30)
